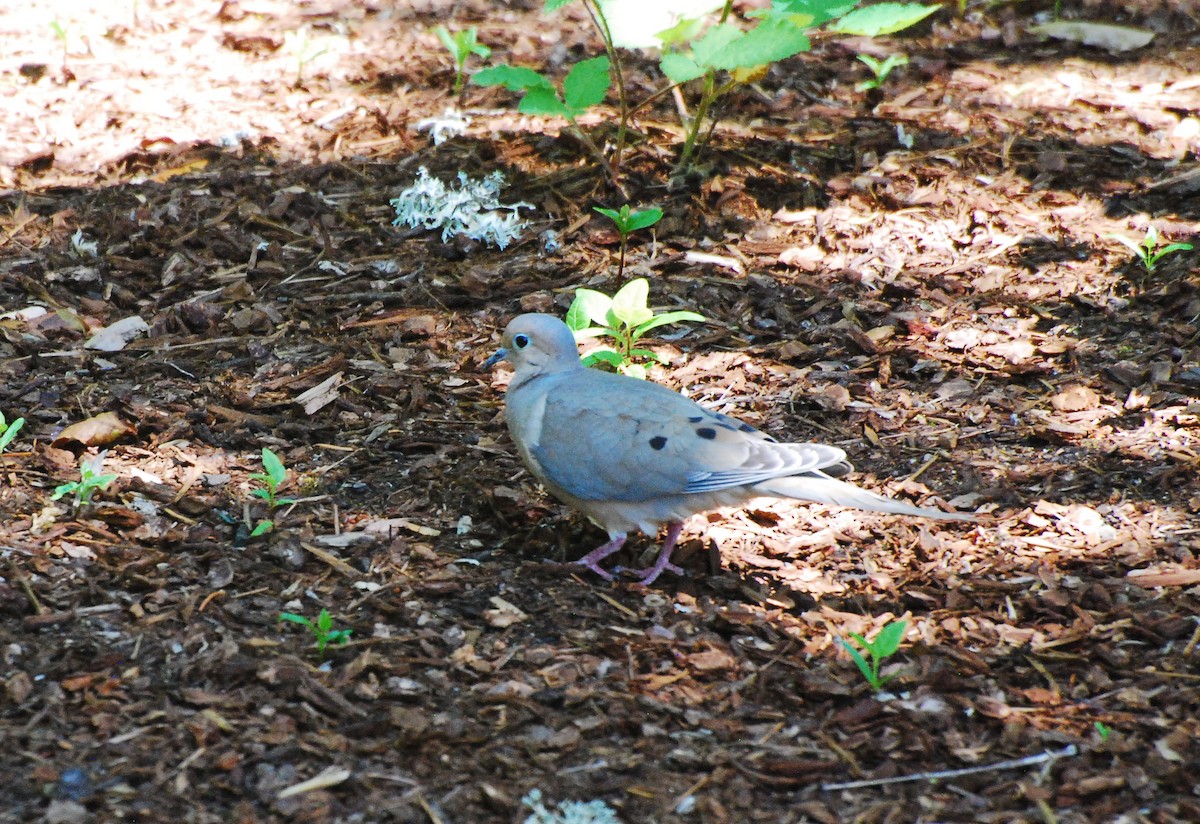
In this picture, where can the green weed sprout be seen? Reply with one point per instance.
(8, 431)
(304, 52)
(1103, 730)
(272, 479)
(883, 647)
(90, 480)
(322, 629)
(881, 70)
(628, 222)
(625, 318)
(60, 31)
(1150, 250)
(461, 45)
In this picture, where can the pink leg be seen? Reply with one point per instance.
(663, 562)
(592, 559)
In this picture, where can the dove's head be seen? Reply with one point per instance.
(536, 343)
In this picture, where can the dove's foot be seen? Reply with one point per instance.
(663, 563)
(592, 559)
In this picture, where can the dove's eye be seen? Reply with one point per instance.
(520, 341)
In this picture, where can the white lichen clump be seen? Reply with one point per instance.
(568, 812)
(472, 208)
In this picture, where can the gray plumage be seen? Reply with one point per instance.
(634, 455)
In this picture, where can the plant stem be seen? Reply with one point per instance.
(599, 155)
(614, 59)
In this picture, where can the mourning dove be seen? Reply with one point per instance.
(634, 455)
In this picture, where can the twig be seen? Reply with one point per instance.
(1017, 763)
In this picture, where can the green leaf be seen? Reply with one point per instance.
(513, 78)
(644, 219)
(555, 5)
(324, 621)
(261, 493)
(860, 662)
(769, 41)
(889, 638)
(593, 304)
(262, 528)
(274, 467)
(449, 41)
(708, 48)
(295, 619)
(634, 370)
(1166, 250)
(586, 84)
(615, 216)
(593, 332)
(680, 68)
(885, 18)
(10, 431)
(603, 356)
(543, 102)
(807, 13)
(629, 303)
(64, 489)
(872, 64)
(480, 50)
(664, 319)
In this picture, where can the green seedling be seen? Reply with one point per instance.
(8, 431)
(1151, 249)
(304, 51)
(272, 479)
(628, 222)
(881, 70)
(262, 528)
(90, 480)
(883, 647)
(322, 629)
(624, 318)
(585, 86)
(461, 45)
(60, 32)
(1104, 730)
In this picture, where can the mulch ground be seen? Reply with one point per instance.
(925, 276)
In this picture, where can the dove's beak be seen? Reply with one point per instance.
(500, 355)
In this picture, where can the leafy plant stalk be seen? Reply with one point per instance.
(1151, 249)
(272, 478)
(625, 318)
(885, 645)
(628, 222)
(90, 480)
(322, 629)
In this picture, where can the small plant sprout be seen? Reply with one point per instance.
(585, 86)
(629, 222)
(461, 45)
(264, 526)
(322, 629)
(880, 68)
(883, 647)
(1151, 248)
(272, 478)
(90, 480)
(304, 50)
(625, 318)
(60, 32)
(8, 431)
(1103, 730)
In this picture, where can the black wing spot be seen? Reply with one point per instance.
(707, 432)
(771, 440)
(696, 419)
(658, 442)
(746, 427)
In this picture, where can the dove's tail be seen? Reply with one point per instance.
(822, 489)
